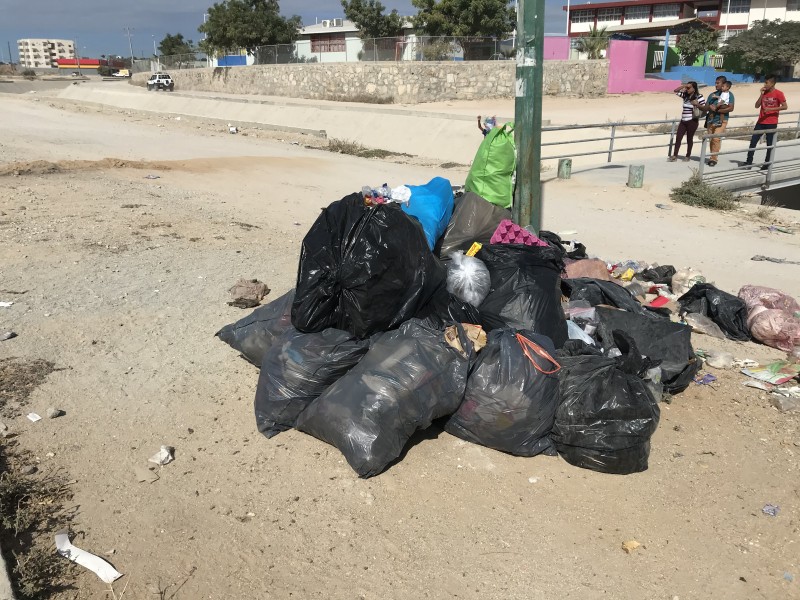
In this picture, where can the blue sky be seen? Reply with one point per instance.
(98, 25)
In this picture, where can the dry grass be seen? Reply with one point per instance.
(766, 210)
(356, 149)
(696, 192)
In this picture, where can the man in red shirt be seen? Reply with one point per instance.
(771, 102)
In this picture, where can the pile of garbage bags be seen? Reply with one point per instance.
(434, 307)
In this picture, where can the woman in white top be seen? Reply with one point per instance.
(689, 122)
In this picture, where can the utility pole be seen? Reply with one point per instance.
(129, 33)
(10, 59)
(527, 208)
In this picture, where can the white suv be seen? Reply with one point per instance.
(160, 81)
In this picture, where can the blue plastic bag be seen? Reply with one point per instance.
(432, 205)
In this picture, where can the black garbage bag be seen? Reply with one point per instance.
(254, 334)
(662, 274)
(454, 311)
(607, 414)
(511, 396)
(408, 378)
(364, 270)
(597, 291)
(298, 368)
(573, 250)
(659, 339)
(474, 220)
(525, 290)
(726, 310)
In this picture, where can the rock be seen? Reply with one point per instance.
(785, 404)
(29, 470)
(630, 546)
(54, 413)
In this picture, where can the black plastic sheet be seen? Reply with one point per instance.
(254, 334)
(364, 270)
(408, 378)
(597, 291)
(726, 310)
(661, 274)
(474, 220)
(525, 290)
(509, 403)
(297, 369)
(607, 414)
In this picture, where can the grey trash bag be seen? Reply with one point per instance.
(474, 220)
(298, 368)
(511, 396)
(408, 378)
(254, 334)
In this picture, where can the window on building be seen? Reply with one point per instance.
(637, 12)
(667, 11)
(328, 42)
(792, 5)
(606, 15)
(739, 6)
(582, 16)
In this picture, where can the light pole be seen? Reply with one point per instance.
(129, 32)
(78, 55)
(205, 37)
(155, 53)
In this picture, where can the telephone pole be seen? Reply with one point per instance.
(527, 208)
(129, 33)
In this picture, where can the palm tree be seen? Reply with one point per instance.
(593, 43)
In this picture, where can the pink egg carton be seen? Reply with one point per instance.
(509, 232)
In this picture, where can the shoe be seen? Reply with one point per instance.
(686, 159)
(672, 158)
(764, 167)
(712, 163)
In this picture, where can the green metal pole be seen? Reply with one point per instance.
(527, 209)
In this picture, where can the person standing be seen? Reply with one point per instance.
(717, 116)
(770, 102)
(690, 118)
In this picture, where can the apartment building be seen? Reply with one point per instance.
(728, 16)
(43, 54)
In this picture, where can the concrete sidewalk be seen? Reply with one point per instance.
(6, 591)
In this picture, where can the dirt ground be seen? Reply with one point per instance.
(121, 282)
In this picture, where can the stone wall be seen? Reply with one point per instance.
(400, 82)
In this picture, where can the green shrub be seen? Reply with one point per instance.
(696, 192)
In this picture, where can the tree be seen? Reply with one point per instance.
(594, 43)
(370, 19)
(247, 24)
(767, 45)
(697, 42)
(175, 44)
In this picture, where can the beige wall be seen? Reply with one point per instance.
(402, 82)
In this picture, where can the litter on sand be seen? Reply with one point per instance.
(706, 379)
(630, 545)
(771, 510)
(151, 176)
(101, 568)
(775, 260)
(7, 335)
(6, 304)
(164, 456)
(777, 373)
(33, 417)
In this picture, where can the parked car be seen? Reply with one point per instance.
(160, 81)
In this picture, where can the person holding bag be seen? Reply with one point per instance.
(690, 118)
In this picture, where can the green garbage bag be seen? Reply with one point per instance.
(491, 174)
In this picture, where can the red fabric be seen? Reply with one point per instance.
(772, 99)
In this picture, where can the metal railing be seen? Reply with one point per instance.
(355, 49)
(744, 170)
(668, 130)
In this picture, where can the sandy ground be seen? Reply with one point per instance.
(125, 283)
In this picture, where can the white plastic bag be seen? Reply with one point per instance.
(684, 279)
(468, 278)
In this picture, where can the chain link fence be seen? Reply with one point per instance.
(337, 48)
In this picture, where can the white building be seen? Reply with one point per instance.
(43, 54)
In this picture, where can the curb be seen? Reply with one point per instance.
(6, 590)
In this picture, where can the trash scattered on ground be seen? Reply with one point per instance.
(6, 304)
(759, 385)
(248, 293)
(164, 456)
(144, 475)
(744, 363)
(232, 129)
(719, 359)
(759, 257)
(33, 417)
(777, 373)
(54, 413)
(773, 317)
(724, 309)
(630, 545)
(702, 324)
(706, 379)
(151, 176)
(7, 335)
(771, 510)
(788, 576)
(684, 279)
(664, 206)
(101, 568)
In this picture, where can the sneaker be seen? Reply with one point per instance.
(712, 163)
(764, 167)
(685, 159)
(672, 158)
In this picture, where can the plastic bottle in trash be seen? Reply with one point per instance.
(366, 191)
(385, 192)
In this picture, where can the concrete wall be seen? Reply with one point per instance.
(398, 82)
(626, 60)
